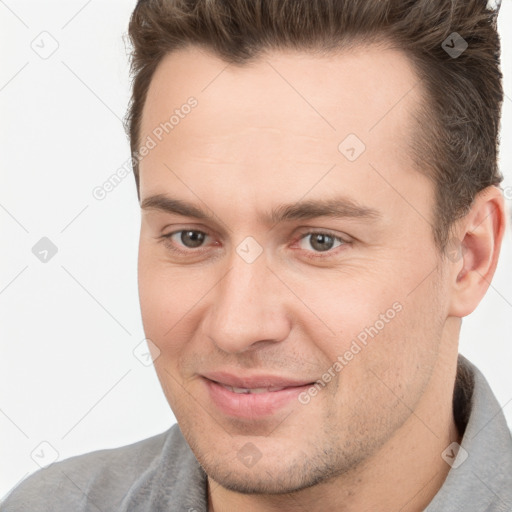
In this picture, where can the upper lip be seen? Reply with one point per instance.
(254, 381)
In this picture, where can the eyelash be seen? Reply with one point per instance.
(166, 239)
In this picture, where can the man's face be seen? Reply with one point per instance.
(243, 298)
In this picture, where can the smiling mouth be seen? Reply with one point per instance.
(253, 403)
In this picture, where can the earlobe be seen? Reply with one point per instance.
(481, 233)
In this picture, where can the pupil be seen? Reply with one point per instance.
(192, 238)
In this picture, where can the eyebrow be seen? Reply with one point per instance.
(337, 207)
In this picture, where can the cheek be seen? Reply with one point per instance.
(344, 305)
(379, 325)
(157, 297)
(161, 313)
(397, 357)
(170, 299)
(154, 301)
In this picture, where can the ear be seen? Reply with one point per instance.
(479, 234)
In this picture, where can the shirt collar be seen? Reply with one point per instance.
(480, 478)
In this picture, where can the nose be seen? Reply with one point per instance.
(248, 308)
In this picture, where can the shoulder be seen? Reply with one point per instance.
(99, 479)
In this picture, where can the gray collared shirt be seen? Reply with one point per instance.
(162, 474)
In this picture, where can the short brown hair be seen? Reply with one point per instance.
(457, 145)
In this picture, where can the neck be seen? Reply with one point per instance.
(405, 474)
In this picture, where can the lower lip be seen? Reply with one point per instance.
(248, 405)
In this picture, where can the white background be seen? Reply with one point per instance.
(68, 376)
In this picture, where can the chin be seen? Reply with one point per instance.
(264, 481)
(272, 477)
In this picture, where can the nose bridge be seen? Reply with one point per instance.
(246, 307)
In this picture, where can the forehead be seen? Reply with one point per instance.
(282, 120)
(355, 88)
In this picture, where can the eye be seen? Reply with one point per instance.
(189, 238)
(320, 241)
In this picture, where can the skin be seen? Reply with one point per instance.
(267, 134)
